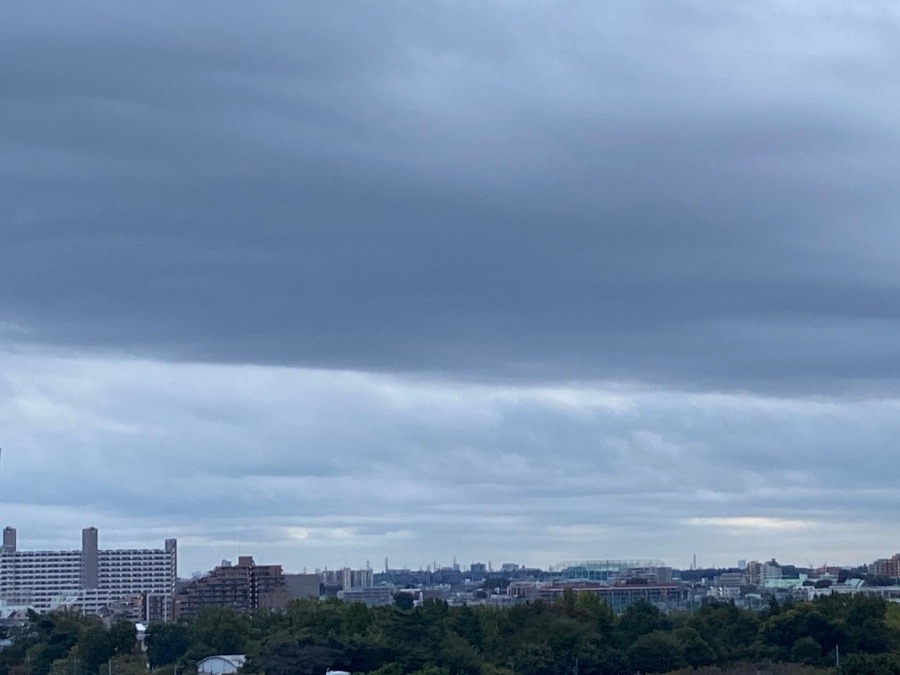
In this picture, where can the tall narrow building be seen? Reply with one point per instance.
(9, 540)
(90, 560)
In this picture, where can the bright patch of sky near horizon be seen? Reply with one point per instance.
(317, 468)
(336, 281)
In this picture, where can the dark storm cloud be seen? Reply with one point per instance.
(690, 193)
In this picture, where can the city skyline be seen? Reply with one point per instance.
(697, 560)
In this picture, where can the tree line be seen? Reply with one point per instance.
(577, 634)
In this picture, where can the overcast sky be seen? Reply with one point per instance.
(530, 282)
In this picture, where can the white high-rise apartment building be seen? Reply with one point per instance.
(87, 580)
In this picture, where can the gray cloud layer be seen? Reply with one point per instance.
(314, 468)
(699, 193)
(341, 279)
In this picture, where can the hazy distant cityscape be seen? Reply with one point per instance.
(143, 584)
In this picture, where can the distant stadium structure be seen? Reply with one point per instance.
(615, 571)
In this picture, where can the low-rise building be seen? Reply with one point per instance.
(887, 567)
(303, 585)
(618, 597)
(221, 664)
(377, 595)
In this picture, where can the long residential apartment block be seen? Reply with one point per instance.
(88, 580)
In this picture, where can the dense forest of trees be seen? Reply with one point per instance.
(578, 633)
